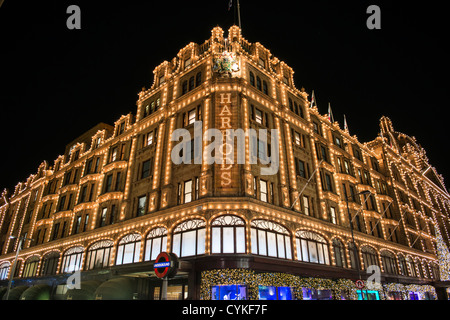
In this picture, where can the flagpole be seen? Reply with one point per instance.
(401, 217)
(309, 180)
(360, 209)
(382, 215)
(239, 14)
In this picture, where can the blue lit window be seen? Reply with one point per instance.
(368, 295)
(229, 292)
(275, 293)
(313, 294)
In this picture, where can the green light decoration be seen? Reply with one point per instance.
(443, 255)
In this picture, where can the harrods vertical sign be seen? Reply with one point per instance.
(226, 120)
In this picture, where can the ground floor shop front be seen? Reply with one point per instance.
(243, 277)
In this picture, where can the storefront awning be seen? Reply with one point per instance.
(116, 289)
(2, 292)
(86, 292)
(15, 293)
(37, 292)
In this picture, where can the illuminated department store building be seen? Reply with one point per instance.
(115, 199)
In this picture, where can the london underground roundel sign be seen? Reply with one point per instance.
(166, 265)
(360, 284)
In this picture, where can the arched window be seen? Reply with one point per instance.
(403, 266)
(228, 235)
(191, 83)
(184, 87)
(389, 263)
(369, 256)
(270, 239)
(129, 249)
(189, 238)
(4, 269)
(50, 263)
(258, 83)
(252, 79)
(30, 267)
(312, 247)
(72, 259)
(198, 79)
(155, 243)
(98, 255)
(339, 253)
(265, 87)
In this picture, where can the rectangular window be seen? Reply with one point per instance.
(262, 152)
(141, 206)
(297, 139)
(316, 127)
(333, 217)
(187, 63)
(117, 186)
(77, 225)
(69, 202)
(258, 116)
(188, 191)
(149, 138)
(367, 178)
(114, 153)
(146, 166)
(91, 192)
(103, 217)
(360, 176)
(263, 190)
(83, 194)
(337, 141)
(122, 127)
(61, 203)
(306, 205)
(261, 62)
(97, 164)
(108, 183)
(122, 151)
(112, 216)
(329, 185)
(197, 182)
(191, 117)
(86, 222)
(323, 152)
(352, 193)
(347, 167)
(301, 168)
(55, 231)
(179, 194)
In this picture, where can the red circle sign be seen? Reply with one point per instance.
(360, 284)
(165, 265)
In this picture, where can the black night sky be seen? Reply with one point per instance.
(57, 83)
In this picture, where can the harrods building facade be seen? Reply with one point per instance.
(115, 199)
